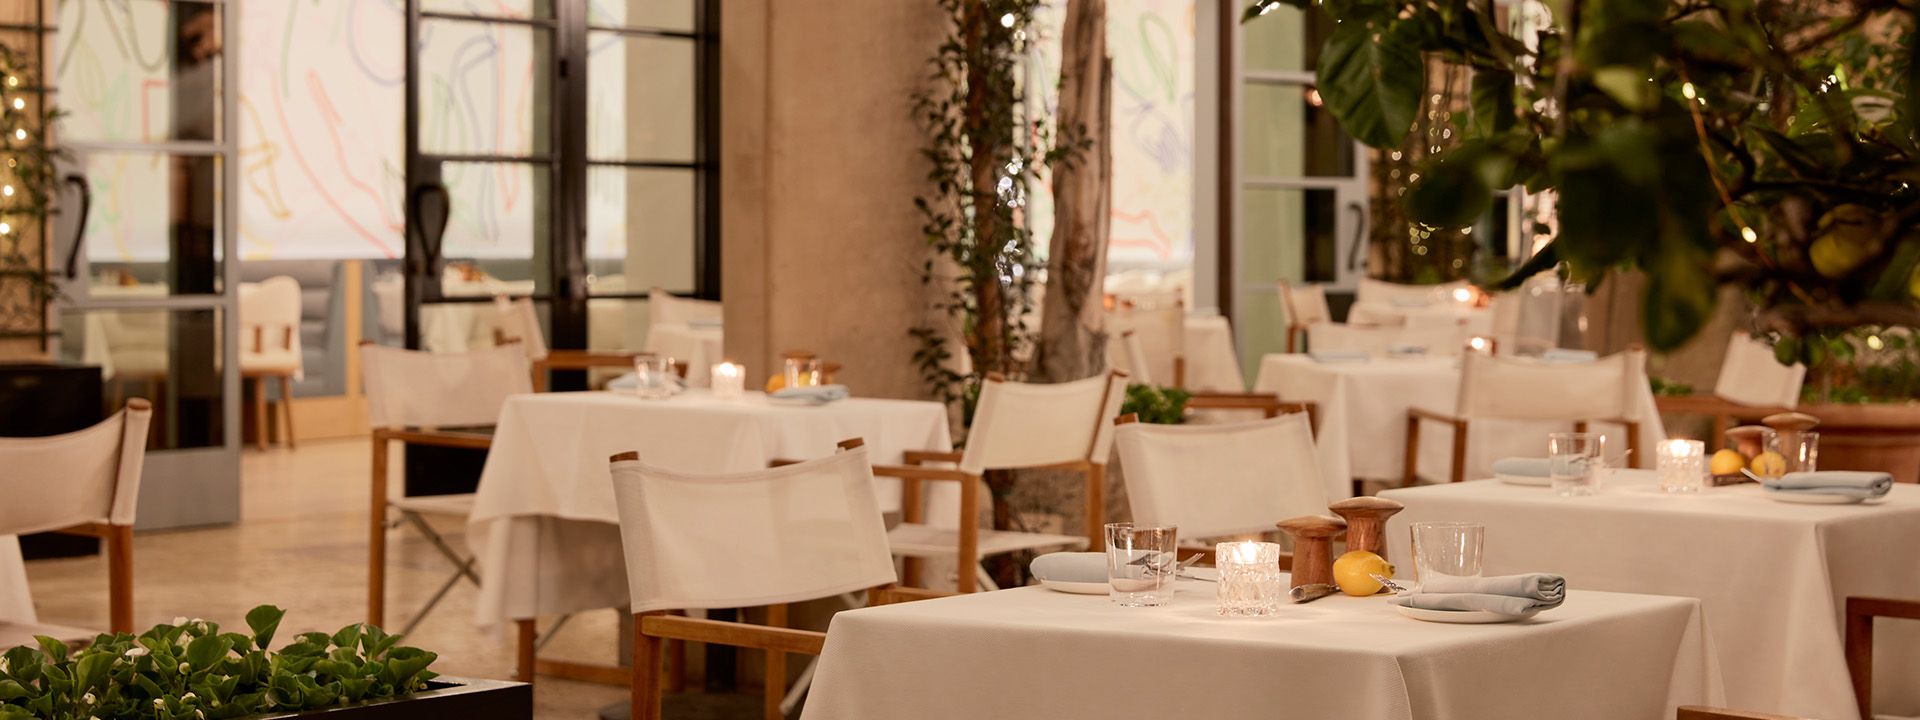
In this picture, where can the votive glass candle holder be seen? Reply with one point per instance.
(729, 381)
(1682, 466)
(1250, 581)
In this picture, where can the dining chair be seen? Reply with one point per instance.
(1159, 326)
(1437, 340)
(1751, 385)
(1696, 712)
(1268, 404)
(763, 538)
(1859, 644)
(516, 321)
(432, 399)
(1371, 290)
(1217, 481)
(85, 482)
(1305, 306)
(1504, 388)
(664, 307)
(270, 348)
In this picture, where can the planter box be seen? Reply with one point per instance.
(449, 698)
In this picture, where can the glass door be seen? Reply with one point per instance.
(141, 238)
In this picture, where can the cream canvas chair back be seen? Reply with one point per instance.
(1439, 340)
(85, 476)
(270, 325)
(1529, 389)
(1306, 304)
(1161, 331)
(1019, 425)
(408, 388)
(664, 308)
(765, 537)
(1216, 480)
(1372, 290)
(517, 320)
(1750, 376)
(1125, 354)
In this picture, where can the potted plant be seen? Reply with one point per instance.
(190, 670)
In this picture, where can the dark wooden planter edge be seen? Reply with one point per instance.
(451, 698)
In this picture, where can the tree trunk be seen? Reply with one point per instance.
(991, 354)
(1073, 337)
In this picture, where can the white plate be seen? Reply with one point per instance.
(1532, 480)
(1463, 617)
(1811, 498)
(1078, 588)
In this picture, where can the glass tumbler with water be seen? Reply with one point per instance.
(1447, 548)
(1573, 462)
(1141, 563)
(653, 376)
(802, 371)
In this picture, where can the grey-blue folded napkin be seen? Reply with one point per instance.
(1850, 483)
(1409, 302)
(1506, 594)
(1080, 567)
(1522, 467)
(1563, 355)
(1337, 356)
(815, 393)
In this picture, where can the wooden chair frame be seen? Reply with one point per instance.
(259, 378)
(1268, 404)
(1859, 648)
(1722, 410)
(1458, 469)
(1696, 712)
(1206, 554)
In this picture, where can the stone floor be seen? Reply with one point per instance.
(301, 544)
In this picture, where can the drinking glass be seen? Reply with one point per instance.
(1573, 462)
(1801, 450)
(1447, 548)
(1250, 584)
(653, 376)
(803, 372)
(1141, 563)
(1683, 466)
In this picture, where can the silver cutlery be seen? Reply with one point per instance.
(1387, 583)
(1310, 593)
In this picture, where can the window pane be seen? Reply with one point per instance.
(496, 240)
(1287, 38)
(1286, 135)
(484, 88)
(516, 9)
(652, 14)
(154, 226)
(139, 70)
(640, 229)
(170, 357)
(640, 104)
(1288, 234)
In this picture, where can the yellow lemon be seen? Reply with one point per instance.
(779, 380)
(1769, 465)
(1849, 235)
(1353, 570)
(1728, 462)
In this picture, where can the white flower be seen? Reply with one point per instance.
(136, 651)
(159, 703)
(87, 698)
(184, 668)
(181, 620)
(199, 715)
(186, 697)
(3, 665)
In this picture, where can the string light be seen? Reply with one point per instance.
(20, 134)
(5, 228)
(8, 191)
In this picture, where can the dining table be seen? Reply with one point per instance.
(1032, 652)
(1772, 576)
(700, 346)
(1362, 405)
(1212, 363)
(544, 528)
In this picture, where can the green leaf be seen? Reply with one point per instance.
(404, 663)
(348, 637)
(1678, 300)
(1372, 80)
(1626, 85)
(10, 690)
(56, 650)
(206, 650)
(1450, 194)
(264, 621)
(91, 671)
(1493, 100)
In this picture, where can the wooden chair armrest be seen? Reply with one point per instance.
(1696, 712)
(1431, 415)
(1883, 607)
(783, 462)
(436, 438)
(920, 457)
(733, 633)
(894, 595)
(909, 472)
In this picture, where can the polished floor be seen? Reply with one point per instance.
(301, 544)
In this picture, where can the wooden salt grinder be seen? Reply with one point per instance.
(1313, 547)
(1367, 522)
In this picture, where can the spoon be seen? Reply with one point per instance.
(1387, 584)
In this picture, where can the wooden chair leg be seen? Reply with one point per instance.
(286, 409)
(776, 670)
(527, 638)
(1412, 474)
(1579, 426)
(966, 574)
(377, 537)
(1859, 654)
(1719, 437)
(646, 671)
(1459, 471)
(1634, 458)
(260, 413)
(1096, 506)
(676, 665)
(1289, 340)
(120, 578)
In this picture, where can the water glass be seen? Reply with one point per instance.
(1250, 583)
(1574, 461)
(653, 376)
(1447, 548)
(1141, 563)
(1683, 466)
(803, 372)
(1801, 450)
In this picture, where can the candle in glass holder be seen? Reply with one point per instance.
(1480, 345)
(729, 380)
(1250, 584)
(1682, 466)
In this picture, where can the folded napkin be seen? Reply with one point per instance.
(631, 381)
(1506, 594)
(1080, 567)
(703, 324)
(1522, 467)
(1563, 355)
(1409, 303)
(1402, 349)
(816, 393)
(1850, 483)
(1337, 356)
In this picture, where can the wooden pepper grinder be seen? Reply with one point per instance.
(1367, 522)
(1313, 547)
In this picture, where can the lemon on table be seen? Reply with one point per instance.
(1728, 462)
(779, 380)
(1353, 571)
(1769, 464)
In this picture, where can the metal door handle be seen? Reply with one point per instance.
(1359, 234)
(79, 236)
(430, 232)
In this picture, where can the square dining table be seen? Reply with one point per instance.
(1035, 653)
(1773, 576)
(544, 528)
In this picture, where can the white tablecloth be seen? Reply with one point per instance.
(544, 526)
(1034, 653)
(16, 599)
(1772, 576)
(699, 347)
(1212, 363)
(1363, 407)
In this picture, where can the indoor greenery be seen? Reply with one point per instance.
(1166, 406)
(27, 184)
(1766, 144)
(190, 670)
